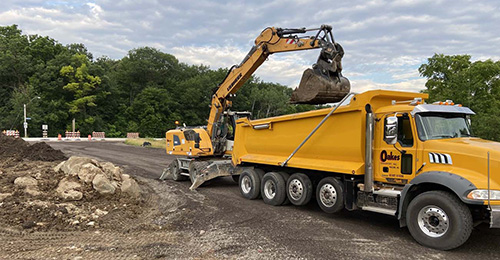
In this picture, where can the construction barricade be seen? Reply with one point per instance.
(72, 135)
(13, 133)
(132, 135)
(98, 135)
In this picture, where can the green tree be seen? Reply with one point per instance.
(473, 84)
(82, 85)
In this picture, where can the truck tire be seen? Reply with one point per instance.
(299, 189)
(285, 176)
(273, 189)
(330, 195)
(439, 220)
(176, 171)
(249, 183)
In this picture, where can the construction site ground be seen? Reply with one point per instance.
(216, 222)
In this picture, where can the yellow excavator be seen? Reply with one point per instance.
(203, 153)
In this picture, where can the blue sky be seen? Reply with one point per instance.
(385, 41)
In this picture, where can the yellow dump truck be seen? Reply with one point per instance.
(381, 151)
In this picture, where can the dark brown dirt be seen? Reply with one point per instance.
(216, 222)
(19, 149)
(44, 210)
(47, 212)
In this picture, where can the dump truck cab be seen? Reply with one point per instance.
(430, 146)
(417, 143)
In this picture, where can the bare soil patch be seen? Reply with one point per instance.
(34, 205)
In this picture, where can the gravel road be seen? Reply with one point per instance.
(216, 222)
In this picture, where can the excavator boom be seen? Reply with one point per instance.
(205, 151)
(322, 84)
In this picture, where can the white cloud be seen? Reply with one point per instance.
(415, 85)
(385, 41)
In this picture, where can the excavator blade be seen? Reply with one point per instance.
(208, 171)
(315, 88)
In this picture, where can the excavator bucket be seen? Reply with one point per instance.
(315, 88)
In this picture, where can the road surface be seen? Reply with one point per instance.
(240, 226)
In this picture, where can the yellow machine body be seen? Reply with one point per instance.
(338, 146)
(180, 143)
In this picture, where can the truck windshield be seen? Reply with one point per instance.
(441, 125)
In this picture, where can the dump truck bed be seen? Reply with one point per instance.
(337, 146)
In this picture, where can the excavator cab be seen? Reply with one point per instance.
(323, 83)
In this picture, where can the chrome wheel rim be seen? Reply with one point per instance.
(269, 189)
(295, 189)
(433, 221)
(246, 184)
(328, 195)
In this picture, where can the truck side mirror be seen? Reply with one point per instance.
(197, 140)
(391, 130)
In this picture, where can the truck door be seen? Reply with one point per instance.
(395, 163)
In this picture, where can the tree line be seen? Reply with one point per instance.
(473, 84)
(146, 91)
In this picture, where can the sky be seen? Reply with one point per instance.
(384, 41)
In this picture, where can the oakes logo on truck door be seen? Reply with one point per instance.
(388, 157)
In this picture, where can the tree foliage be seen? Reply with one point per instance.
(146, 91)
(473, 84)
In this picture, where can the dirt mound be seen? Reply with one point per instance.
(19, 149)
(29, 200)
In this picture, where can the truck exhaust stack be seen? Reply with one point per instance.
(368, 185)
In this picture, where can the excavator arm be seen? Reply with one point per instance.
(323, 84)
(205, 148)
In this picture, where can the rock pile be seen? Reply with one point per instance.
(41, 192)
(104, 177)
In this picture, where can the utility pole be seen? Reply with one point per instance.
(25, 123)
(73, 125)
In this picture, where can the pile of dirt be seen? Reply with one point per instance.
(33, 196)
(19, 149)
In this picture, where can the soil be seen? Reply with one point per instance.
(43, 210)
(215, 222)
(17, 148)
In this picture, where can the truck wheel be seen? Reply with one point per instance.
(176, 171)
(299, 189)
(330, 195)
(439, 220)
(250, 183)
(273, 188)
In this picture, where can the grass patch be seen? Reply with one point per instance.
(159, 143)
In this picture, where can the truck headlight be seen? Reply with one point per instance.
(483, 195)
